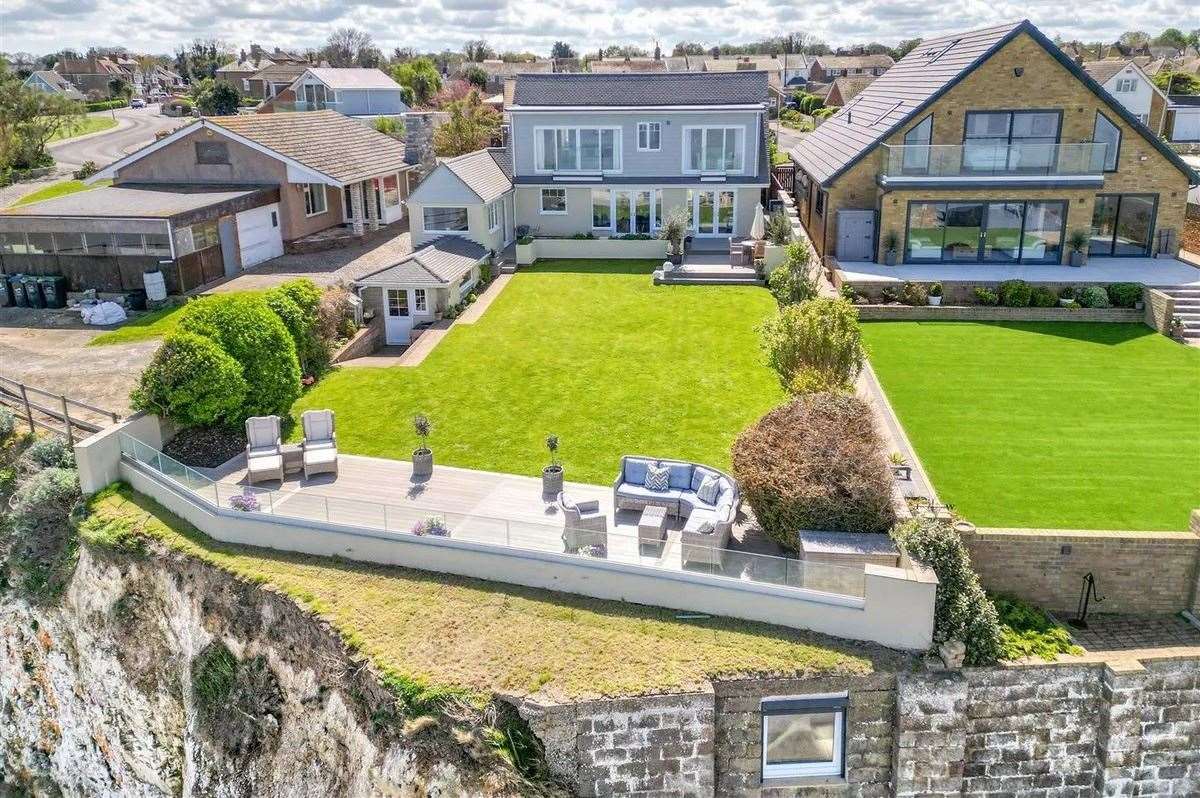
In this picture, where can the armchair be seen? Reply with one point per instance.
(263, 457)
(584, 523)
(319, 448)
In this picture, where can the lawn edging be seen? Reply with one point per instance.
(984, 313)
(1135, 572)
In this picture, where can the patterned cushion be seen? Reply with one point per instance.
(658, 478)
(698, 475)
(708, 490)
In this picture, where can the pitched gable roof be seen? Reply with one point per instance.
(745, 87)
(1102, 71)
(915, 82)
(854, 61)
(352, 78)
(850, 87)
(482, 172)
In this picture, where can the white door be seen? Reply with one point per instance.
(856, 235)
(259, 237)
(397, 325)
(714, 212)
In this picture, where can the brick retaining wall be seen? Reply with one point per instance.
(982, 313)
(1136, 572)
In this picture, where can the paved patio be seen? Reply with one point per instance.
(1148, 271)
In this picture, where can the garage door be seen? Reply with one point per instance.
(259, 238)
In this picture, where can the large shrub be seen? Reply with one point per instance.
(191, 381)
(815, 463)
(1092, 296)
(1125, 295)
(52, 451)
(820, 336)
(1015, 294)
(793, 280)
(8, 424)
(1043, 297)
(245, 327)
(296, 303)
(962, 610)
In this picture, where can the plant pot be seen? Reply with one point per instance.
(1078, 259)
(890, 258)
(902, 472)
(676, 260)
(552, 480)
(934, 301)
(422, 460)
(1065, 302)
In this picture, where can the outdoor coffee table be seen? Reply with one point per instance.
(652, 526)
(293, 457)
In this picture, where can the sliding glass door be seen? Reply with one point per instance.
(985, 232)
(1122, 224)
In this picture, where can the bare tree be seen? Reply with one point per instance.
(351, 47)
(478, 50)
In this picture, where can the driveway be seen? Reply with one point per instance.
(136, 127)
(786, 136)
(48, 349)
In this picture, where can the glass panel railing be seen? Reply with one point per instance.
(993, 159)
(671, 554)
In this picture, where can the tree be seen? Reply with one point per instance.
(421, 77)
(657, 52)
(688, 48)
(216, 97)
(191, 381)
(793, 280)
(1134, 38)
(816, 343)
(1177, 83)
(471, 127)
(1172, 37)
(905, 47)
(563, 50)
(28, 120)
(202, 59)
(351, 47)
(478, 50)
(119, 89)
(476, 77)
(1194, 38)
(452, 92)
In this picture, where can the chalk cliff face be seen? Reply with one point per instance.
(97, 696)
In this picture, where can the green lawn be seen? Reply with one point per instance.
(89, 124)
(1058, 425)
(154, 324)
(58, 190)
(587, 350)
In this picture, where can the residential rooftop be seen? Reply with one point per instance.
(486, 172)
(744, 87)
(145, 201)
(353, 78)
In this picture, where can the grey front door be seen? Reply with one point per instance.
(227, 231)
(856, 235)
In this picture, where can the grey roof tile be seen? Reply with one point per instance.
(642, 89)
(438, 263)
(482, 173)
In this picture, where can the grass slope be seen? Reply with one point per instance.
(587, 350)
(58, 190)
(452, 632)
(89, 124)
(154, 324)
(1057, 425)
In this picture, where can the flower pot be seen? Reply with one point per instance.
(890, 258)
(1065, 302)
(902, 472)
(422, 460)
(552, 480)
(676, 260)
(934, 301)
(1078, 259)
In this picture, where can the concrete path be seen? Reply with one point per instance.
(432, 336)
(890, 428)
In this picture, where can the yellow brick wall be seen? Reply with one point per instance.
(1044, 84)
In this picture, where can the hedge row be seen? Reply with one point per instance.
(105, 105)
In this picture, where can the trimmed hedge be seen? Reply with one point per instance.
(815, 463)
(1043, 297)
(1125, 295)
(105, 105)
(192, 381)
(1092, 296)
(246, 328)
(1015, 294)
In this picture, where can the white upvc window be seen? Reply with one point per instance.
(444, 219)
(577, 149)
(420, 301)
(649, 136)
(553, 201)
(1126, 85)
(494, 216)
(803, 736)
(714, 149)
(314, 199)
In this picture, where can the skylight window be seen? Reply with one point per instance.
(934, 53)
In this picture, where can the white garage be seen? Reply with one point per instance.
(259, 237)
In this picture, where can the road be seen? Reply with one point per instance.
(787, 137)
(135, 128)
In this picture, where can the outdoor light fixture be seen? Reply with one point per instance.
(1018, 71)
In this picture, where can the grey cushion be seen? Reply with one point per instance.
(590, 506)
(698, 475)
(264, 451)
(658, 478)
(635, 470)
(643, 493)
(681, 476)
(709, 490)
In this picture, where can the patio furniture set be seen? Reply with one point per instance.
(268, 458)
(705, 498)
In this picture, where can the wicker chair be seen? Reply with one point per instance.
(320, 443)
(584, 523)
(263, 457)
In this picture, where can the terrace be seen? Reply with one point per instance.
(992, 164)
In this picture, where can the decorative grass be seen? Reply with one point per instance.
(436, 635)
(1055, 425)
(589, 351)
(60, 189)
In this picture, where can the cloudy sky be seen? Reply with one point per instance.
(160, 25)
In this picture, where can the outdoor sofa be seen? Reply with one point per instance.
(709, 524)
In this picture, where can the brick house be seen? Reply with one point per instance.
(827, 67)
(987, 147)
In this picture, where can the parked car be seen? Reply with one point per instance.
(137, 102)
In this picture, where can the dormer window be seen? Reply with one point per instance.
(578, 149)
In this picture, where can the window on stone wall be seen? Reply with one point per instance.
(803, 736)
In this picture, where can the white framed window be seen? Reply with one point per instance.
(713, 149)
(553, 201)
(1126, 85)
(494, 216)
(314, 199)
(602, 209)
(577, 149)
(420, 301)
(444, 219)
(649, 136)
(803, 736)
(397, 299)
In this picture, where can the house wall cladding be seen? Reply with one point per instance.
(1038, 731)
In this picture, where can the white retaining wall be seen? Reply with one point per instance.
(587, 248)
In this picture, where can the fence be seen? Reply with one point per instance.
(54, 407)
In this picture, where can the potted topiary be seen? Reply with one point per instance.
(935, 295)
(1077, 243)
(552, 475)
(891, 245)
(673, 231)
(1066, 297)
(422, 456)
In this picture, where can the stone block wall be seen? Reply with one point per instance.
(1160, 309)
(1190, 240)
(418, 137)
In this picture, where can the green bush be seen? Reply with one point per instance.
(815, 463)
(1026, 631)
(46, 497)
(821, 335)
(962, 610)
(1043, 297)
(297, 304)
(245, 327)
(8, 424)
(191, 381)
(105, 105)
(43, 547)
(1125, 295)
(1015, 294)
(914, 294)
(1092, 296)
(986, 297)
(778, 229)
(51, 452)
(793, 280)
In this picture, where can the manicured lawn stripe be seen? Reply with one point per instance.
(587, 350)
(1058, 425)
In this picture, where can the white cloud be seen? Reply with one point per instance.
(162, 25)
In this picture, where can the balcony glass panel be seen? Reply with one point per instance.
(990, 157)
